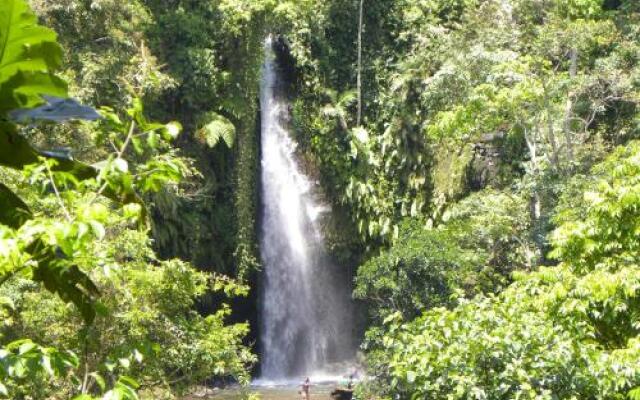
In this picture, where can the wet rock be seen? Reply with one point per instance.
(342, 394)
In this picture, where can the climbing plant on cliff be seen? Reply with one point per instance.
(430, 90)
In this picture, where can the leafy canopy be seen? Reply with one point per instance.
(560, 332)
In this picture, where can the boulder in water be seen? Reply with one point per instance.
(342, 394)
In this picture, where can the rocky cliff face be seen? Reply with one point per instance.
(484, 167)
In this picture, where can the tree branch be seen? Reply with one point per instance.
(55, 189)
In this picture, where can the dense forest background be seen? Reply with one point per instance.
(484, 183)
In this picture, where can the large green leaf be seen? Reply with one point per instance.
(14, 212)
(60, 276)
(29, 53)
(16, 152)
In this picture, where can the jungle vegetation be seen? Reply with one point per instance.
(481, 158)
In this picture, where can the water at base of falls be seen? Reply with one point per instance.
(318, 392)
(306, 310)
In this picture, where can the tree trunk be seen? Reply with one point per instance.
(551, 135)
(535, 200)
(359, 72)
(573, 70)
(534, 204)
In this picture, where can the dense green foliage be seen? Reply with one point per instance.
(520, 98)
(188, 62)
(569, 331)
(478, 117)
(485, 238)
(489, 193)
(444, 75)
(80, 232)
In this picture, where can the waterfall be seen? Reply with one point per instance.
(305, 309)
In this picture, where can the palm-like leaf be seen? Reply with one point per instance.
(347, 98)
(217, 128)
(337, 106)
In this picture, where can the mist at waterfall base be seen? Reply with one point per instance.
(306, 310)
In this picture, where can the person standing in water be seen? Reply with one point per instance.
(306, 385)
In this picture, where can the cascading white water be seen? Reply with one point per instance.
(306, 309)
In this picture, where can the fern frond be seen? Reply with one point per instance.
(217, 128)
(348, 97)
